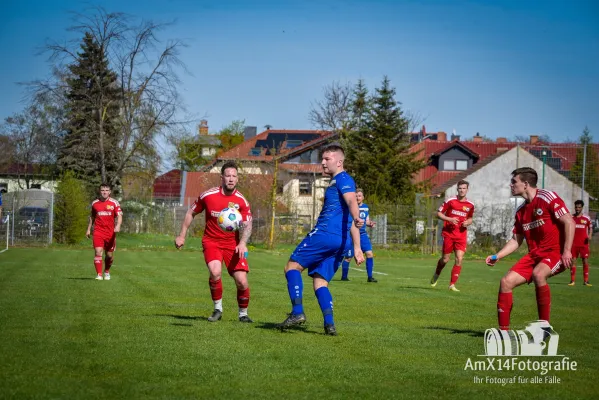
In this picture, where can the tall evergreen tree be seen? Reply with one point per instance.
(378, 156)
(91, 143)
(590, 166)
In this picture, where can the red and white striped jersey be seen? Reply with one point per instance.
(537, 221)
(581, 233)
(454, 208)
(103, 214)
(213, 201)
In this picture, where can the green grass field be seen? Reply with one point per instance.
(144, 334)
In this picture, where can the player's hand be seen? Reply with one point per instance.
(358, 256)
(492, 260)
(359, 222)
(87, 234)
(117, 229)
(454, 221)
(567, 258)
(179, 242)
(372, 224)
(242, 250)
(465, 224)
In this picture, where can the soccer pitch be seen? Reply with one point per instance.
(144, 334)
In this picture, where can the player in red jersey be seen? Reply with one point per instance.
(457, 213)
(219, 246)
(546, 224)
(580, 247)
(104, 211)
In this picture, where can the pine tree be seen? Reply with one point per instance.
(378, 156)
(591, 170)
(91, 144)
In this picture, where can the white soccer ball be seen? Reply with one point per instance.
(229, 219)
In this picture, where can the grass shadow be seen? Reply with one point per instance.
(275, 327)
(468, 332)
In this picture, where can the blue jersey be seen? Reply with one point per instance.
(334, 217)
(364, 212)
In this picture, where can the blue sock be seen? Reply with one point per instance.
(344, 269)
(325, 301)
(295, 287)
(369, 266)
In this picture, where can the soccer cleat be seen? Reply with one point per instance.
(572, 283)
(216, 316)
(434, 280)
(330, 330)
(293, 320)
(453, 288)
(371, 279)
(99, 277)
(245, 318)
(106, 276)
(587, 284)
(345, 279)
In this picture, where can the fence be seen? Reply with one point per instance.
(565, 168)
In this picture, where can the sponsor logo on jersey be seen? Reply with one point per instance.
(580, 226)
(533, 224)
(215, 214)
(460, 213)
(104, 213)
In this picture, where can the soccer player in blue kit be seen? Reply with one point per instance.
(337, 230)
(364, 241)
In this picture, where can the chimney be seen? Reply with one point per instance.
(534, 139)
(455, 137)
(249, 132)
(478, 138)
(423, 131)
(441, 137)
(203, 127)
(501, 140)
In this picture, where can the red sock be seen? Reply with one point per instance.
(543, 301)
(98, 264)
(243, 297)
(585, 271)
(216, 289)
(440, 266)
(455, 274)
(505, 301)
(573, 273)
(108, 263)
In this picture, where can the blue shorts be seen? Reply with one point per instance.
(321, 253)
(365, 246)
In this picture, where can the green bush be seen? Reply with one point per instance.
(71, 210)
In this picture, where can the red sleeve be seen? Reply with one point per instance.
(517, 227)
(557, 207)
(244, 210)
(198, 206)
(117, 209)
(444, 207)
(471, 213)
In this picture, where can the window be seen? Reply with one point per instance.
(293, 143)
(3, 187)
(36, 186)
(448, 165)
(305, 187)
(256, 151)
(305, 157)
(461, 165)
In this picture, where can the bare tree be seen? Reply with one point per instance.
(148, 102)
(333, 112)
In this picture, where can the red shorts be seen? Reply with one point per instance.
(527, 264)
(212, 252)
(582, 251)
(451, 244)
(108, 243)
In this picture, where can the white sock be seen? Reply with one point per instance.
(218, 305)
(243, 312)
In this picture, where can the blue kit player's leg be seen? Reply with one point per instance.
(367, 250)
(345, 266)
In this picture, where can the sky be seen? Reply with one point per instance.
(500, 68)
